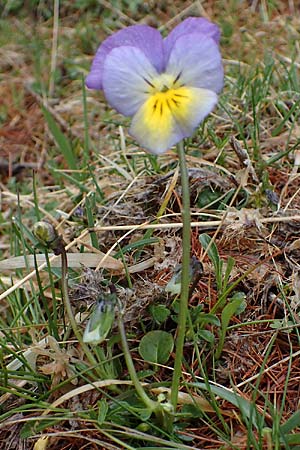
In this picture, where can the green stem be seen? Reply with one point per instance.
(48, 237)
(163, 413)
(185, 274)
(67, 303)
(131, 369)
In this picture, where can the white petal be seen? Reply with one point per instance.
(196, 59)
(127, 79)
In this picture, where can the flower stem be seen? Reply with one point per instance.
(48, 237)
(185, 274)
(68, 307)
(153, 406)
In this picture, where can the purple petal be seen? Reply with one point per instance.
(161, 121)
(195, 60)
(127, 79)
(143, 37)
(191, 25)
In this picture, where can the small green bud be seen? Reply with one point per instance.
(45, 232)
(143, 427)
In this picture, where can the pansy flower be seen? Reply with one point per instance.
(168, 86)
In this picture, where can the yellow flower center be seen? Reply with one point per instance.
(168, 97)
(165, 105)
(168, 103)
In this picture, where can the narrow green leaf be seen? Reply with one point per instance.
(72, 180)
(227, 313)
(229, 267)
(89, 206)
(247, 408)
(294, 108)
(135, 245)
(280, 155)
(102, 411)
(293, 439)
(213, 255)
(62, 142)
(230, 309)
(86, 144)
(292, 423)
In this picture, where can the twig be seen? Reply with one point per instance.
(243, 156)
(144, 226)
(254, 377)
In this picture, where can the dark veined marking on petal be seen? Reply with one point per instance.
(176, 102)
(180, 95)
(177, 78)
(161, 108)
(168, 104)
(148, 82)
(155, 106)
